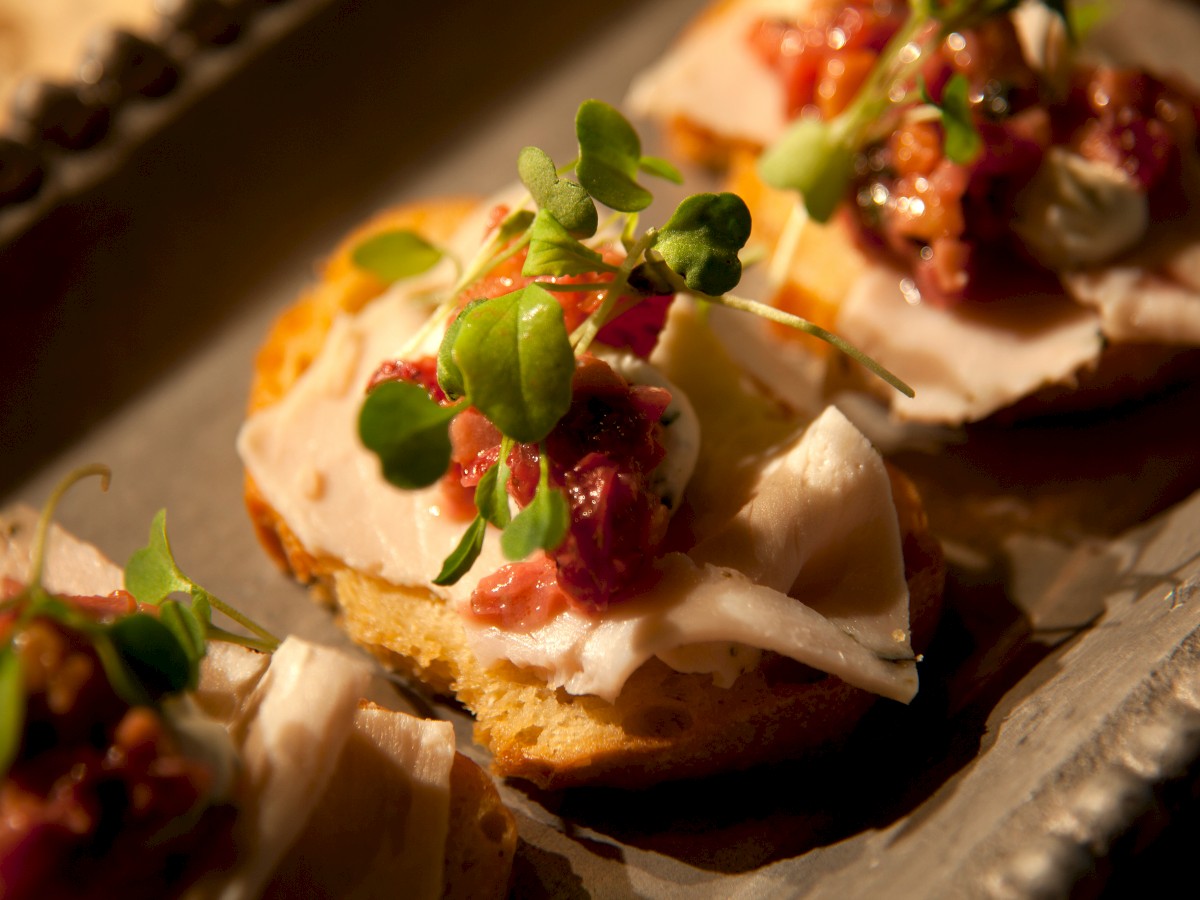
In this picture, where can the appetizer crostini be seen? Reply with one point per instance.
(505, 439)
(957, 189)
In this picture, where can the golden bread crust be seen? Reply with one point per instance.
(298, 333)
(664, 725)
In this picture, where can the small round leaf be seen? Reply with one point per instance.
(610, 156)
(409, 433)
(701, 241)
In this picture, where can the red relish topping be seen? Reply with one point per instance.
(422, 371)
(520, 595)
(602, 455)
(635, 329)
(823, 62)
(951, 224)
(89, 806)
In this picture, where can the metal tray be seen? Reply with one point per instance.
(1057, 732)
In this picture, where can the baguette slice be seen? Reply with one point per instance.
(336, 784)
(664, 724)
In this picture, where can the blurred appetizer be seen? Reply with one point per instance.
(505, 438)
(146, 752)
(1004, 225)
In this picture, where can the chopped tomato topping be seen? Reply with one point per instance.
(822, 62)
(521, 595)
(91, 805)
(601, 454)
(950, 223)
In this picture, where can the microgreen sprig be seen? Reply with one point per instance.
(145, 655)
(511, 358)
(816, 157)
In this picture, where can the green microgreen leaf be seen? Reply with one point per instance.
(120, 676)
(653, 165)
(153, 654)
(12, 707)
(701, 240)
(449, 375)
(491, 494)
(610, 156)
(554, 251)
(565, 200)
(517, 362)
(542, 524)
(459, 562)
(814, 159)
(408, 431)
(191, 633)
(151, 574)
(962, 142)
(393, 255)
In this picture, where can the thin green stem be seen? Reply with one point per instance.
(894, 66)
(42, 532)
(241, 618)
(586, 333)
(567, 288)
(776, 315)
(215, 632)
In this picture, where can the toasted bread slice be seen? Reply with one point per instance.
(664, 724)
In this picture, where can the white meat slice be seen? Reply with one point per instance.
(967, 362)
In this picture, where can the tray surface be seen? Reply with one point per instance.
(1059, 720)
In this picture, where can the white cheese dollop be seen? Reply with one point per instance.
(1079, 212)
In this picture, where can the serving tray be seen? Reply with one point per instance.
(1053, 748)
